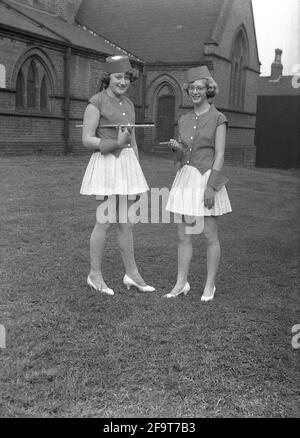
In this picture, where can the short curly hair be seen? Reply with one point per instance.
(211, 87)
(104, 77)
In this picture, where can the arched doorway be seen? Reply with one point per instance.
(164, 99)
(165, 118)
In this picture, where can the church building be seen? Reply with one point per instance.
(52, 52)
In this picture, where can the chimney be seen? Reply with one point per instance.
(67, 9)
(276, 66)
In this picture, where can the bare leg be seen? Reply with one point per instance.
(97, 244)
(125, 241)
(213, 252)
(185, 252)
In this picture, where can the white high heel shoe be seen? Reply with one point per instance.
(185, 290)
(210, 297)
(92, 285)
(129, 283)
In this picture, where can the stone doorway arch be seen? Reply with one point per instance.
(164, 99)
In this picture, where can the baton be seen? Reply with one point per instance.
(129, 125)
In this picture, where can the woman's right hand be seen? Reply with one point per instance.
(174, 145)
(124, 137)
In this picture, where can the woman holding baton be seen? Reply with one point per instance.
(113, 173)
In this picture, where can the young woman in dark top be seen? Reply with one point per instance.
(113, 173)
(198, 191)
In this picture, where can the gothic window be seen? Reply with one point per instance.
(44, 95)
(238, 70)
(20, 90)
(33, 86)
(2, 76)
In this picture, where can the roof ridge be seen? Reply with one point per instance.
(66, 33)
(14, 7)
(108, 41)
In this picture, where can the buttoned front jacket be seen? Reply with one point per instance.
(197, 136)
(113, 111)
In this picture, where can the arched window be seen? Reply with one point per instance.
(33, 85)
(20, 90)
(2, 76)
(44, 95)
(235, 88)
(239, 62)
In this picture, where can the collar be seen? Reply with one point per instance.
(115, 98)
(192, 113)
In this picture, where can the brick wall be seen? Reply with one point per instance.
(23, 131)
(67, 9)
(29, 132)
(240, 147)
(240, 139)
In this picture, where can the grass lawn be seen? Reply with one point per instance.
(73, 353)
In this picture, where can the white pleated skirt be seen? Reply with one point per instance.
(107, 175)
(187, 195)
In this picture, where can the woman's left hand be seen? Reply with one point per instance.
(175, 145)
(209, 198)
